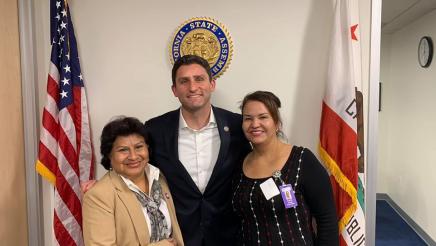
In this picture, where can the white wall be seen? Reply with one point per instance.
(407, 165)
(125, 61)
(281, 46)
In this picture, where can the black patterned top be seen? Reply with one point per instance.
(268, 222)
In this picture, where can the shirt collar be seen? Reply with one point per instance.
(151, 172)
(183, 125)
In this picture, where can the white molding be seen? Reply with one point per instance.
(30, 119)
(374, 78)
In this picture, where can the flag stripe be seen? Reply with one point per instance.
(53, 72)
(52, 109)
(69, 215)
(85, 153)
(77, 115)
(50, 124)
(49, 142)
(66, 150)
(69, 175)
(47, 157)
(61, 234)
(68, 128)
(53, 89)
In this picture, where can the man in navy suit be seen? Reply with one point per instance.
(198, 147)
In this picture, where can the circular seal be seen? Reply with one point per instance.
(205, 37)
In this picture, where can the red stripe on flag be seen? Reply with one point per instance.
(69, 197)
(61, 234)
(77, 114)
(50, 124)
(47, 158)
(53, 88)
(68, 151)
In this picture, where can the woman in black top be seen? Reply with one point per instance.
(282, 195)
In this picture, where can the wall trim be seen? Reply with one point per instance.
(28, 80)
(372, 133)
(421, 233)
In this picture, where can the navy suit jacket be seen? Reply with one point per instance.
(208, 218)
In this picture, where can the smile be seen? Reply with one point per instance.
(256, 132)
(133, 164)
(194, 96)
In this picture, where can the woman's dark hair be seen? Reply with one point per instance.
(271, 102)
(121, 126)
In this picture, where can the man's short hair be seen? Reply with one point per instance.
(188, 60)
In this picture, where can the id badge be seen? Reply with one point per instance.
(288, 196)
(269, 188)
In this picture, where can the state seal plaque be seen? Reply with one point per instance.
(205, 37)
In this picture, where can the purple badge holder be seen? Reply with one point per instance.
(288, 196)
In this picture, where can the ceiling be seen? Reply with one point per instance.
(398, 13)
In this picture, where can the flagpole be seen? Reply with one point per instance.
(35, 226)
(373, 100)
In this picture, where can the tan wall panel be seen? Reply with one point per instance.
(13, 213)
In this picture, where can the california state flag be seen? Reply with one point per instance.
(339, 131)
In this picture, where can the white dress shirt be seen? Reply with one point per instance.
(198, 150)
(152, 173)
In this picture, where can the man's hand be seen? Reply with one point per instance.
(85, 186)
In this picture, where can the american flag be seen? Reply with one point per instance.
(65, 150)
